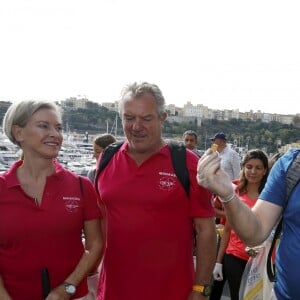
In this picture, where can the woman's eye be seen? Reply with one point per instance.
(43, 125)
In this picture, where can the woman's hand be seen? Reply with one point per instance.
(3, 292)
(58, 293)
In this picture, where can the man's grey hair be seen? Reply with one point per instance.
(20, 112)
(135, 90)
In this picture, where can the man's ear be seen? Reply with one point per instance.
(164, 116)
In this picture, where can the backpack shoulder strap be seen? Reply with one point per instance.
(178, 155)
(292, 179)
(292, 176)
(106, 156)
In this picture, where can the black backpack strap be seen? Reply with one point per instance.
(271, 271)
(106, 156)
(178, 155)
(292, 179)
(292, 176)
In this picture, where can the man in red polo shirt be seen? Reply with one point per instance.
(149, 217)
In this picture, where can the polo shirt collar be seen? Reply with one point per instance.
(11, 174)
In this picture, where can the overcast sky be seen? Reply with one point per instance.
(223, 54)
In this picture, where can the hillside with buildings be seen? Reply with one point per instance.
(244, 130)
(182, 114)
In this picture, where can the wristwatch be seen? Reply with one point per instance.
(205, 290)
(70, 288)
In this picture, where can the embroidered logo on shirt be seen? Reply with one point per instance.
(167, 181)
(71, 204)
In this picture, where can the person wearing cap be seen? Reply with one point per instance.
(190, 139)
(230, 163)
(230, 160)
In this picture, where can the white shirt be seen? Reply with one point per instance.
(230, 162)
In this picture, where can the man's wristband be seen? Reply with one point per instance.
(227, 198)
(205, 290)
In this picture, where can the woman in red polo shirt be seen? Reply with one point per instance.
(43, 210)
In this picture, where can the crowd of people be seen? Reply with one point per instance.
(135, 222)
(232, 257)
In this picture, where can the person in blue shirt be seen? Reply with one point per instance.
(254, 226)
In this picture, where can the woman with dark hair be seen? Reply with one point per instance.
(232, 257)
(99, 144)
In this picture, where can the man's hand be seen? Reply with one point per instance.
(210, 175)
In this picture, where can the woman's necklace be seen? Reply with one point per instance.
(26, 189)
(36, 201)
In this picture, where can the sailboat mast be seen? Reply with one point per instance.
(116, 128)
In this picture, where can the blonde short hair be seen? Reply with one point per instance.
(20, 112)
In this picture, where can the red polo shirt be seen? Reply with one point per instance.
(149, 227)
(47, 236)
